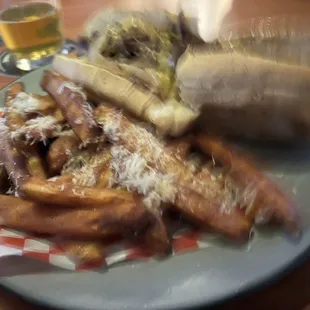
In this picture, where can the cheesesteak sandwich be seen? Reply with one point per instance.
(251, 84)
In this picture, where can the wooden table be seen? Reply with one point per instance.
(293, 291)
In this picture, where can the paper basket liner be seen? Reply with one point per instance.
(45, 250)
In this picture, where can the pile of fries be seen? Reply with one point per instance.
(87, 175)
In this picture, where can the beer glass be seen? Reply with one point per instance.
(31, 30)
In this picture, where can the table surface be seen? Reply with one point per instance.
(293, 291)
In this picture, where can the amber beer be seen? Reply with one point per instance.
(31, 30)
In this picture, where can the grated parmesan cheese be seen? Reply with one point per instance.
(141, 140)
(3, 127)
(84, 168)
(76, 193)
(132, 171)
(53, 179)
(234, 196)
(88, 113)
(85, 176)
(263, 215)
(73, 87)
(141, 152)
(112, 128)
(85, 107)
(40, 126)
(24, 104)
(10, 191)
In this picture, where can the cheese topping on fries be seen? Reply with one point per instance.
(150, 149)
(133, 172)
(85, 106)
(39, 126)
(144, 141)
(24, 104)
(85, 176)
(73, 87)
(111, 128)
(3, 128)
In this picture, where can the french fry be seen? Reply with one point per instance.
(245, 174)
(38, 129)
(205, 202)
(83, 251)
(93, 97)
(60, 151)
(180, 147)
(58, 116)
(15, 164)
(46, 104)
(89, 166)
(35, 164)
(105, 177)
(22, 108)
(12, 158)
(72, 102)
(103, 171)
(62, 179)
(124, 218)
(13, 119)
(4, 180)
(13, 91)
(195, 208)
(70, 195)
(156, 237)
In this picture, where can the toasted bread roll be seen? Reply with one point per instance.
(170, 117)
(246, 96)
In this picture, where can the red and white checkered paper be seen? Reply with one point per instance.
(45, 250)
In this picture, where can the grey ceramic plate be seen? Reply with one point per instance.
(193, 279)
